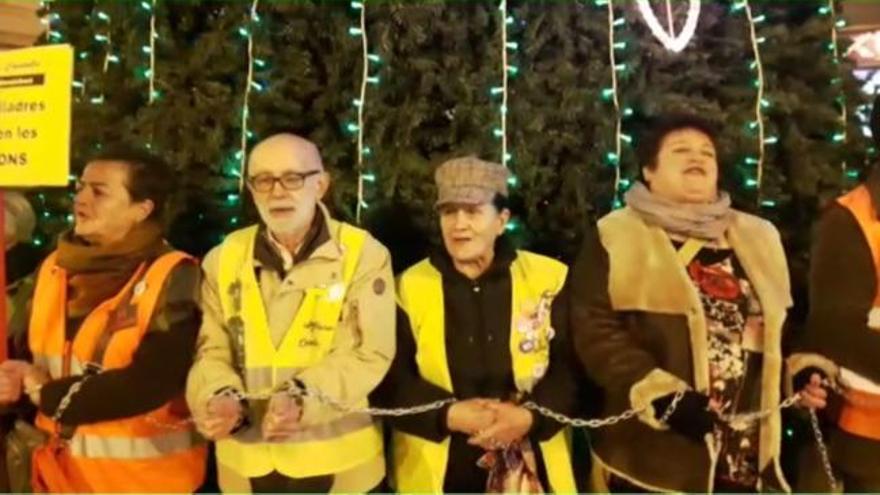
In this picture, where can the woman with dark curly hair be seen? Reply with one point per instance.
(678, 302)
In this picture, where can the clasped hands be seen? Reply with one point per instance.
(17, 377)
(225, 413)
(491, 424)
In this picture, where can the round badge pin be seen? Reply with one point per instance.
(139, 288)
(335, 292)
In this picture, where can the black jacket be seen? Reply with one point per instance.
(477, 317)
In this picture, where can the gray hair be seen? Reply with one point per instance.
(20, 220)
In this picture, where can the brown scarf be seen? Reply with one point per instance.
(97, 273)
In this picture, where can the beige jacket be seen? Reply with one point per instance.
(362, 350)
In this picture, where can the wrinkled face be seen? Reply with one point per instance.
(103, 209)
(469, 231)
(286, 188)
(686, 168)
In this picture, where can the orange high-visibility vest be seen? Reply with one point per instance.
(860, 414)
(152, 452)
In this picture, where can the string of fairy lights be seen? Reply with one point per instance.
(248, 33)
(506, 21)
(104, 37)
(502, 92)
(755, 162)
(758, 125)
(840, 136)
(612, 94)
(51, 21)
(505, 78)
(360, 103)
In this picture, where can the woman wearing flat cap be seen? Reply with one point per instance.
(478, 322)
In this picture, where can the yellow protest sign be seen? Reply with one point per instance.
(35, 89)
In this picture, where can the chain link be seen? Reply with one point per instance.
(823, 451)
(372, 411)
(65, 401)
(672, 406)
(740, 421)
(582, 423)
(181, 424)
(734, 420)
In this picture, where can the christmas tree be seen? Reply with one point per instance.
(199, 82)
(435, 91)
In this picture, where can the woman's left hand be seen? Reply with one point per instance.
(512, 423)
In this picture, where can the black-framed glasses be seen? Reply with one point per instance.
(290, 181)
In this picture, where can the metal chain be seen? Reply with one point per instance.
(739, 421)
(823, 451)
(582, 423)
(734, 420)
(372, 411)
(181, 424)
(65, 401)
(672, 406)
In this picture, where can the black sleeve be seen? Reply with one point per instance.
(17, 331)
(158, 369)
(843, 283)
(403, 386)
(605, 348)
(558, 389)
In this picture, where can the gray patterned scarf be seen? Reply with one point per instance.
(707, 221)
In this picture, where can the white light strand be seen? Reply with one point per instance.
(836, 51)
(759, 102)
(107, 40)
(361, 104)
(108, 54)
(55, 36)
(505, 67)
(618, 125)
(673, 42)
(247, 93)
(152, 73)
(46, 20)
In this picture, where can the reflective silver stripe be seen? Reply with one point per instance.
(261, 379)
(55, 365)
(327, 431)
(97, 447)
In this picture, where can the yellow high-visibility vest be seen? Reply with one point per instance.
(328, 448)
(419, 465)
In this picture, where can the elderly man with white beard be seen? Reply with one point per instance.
(299, 303)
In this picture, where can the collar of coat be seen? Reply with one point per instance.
(505, 254)
(322, 240)
(646, 275)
